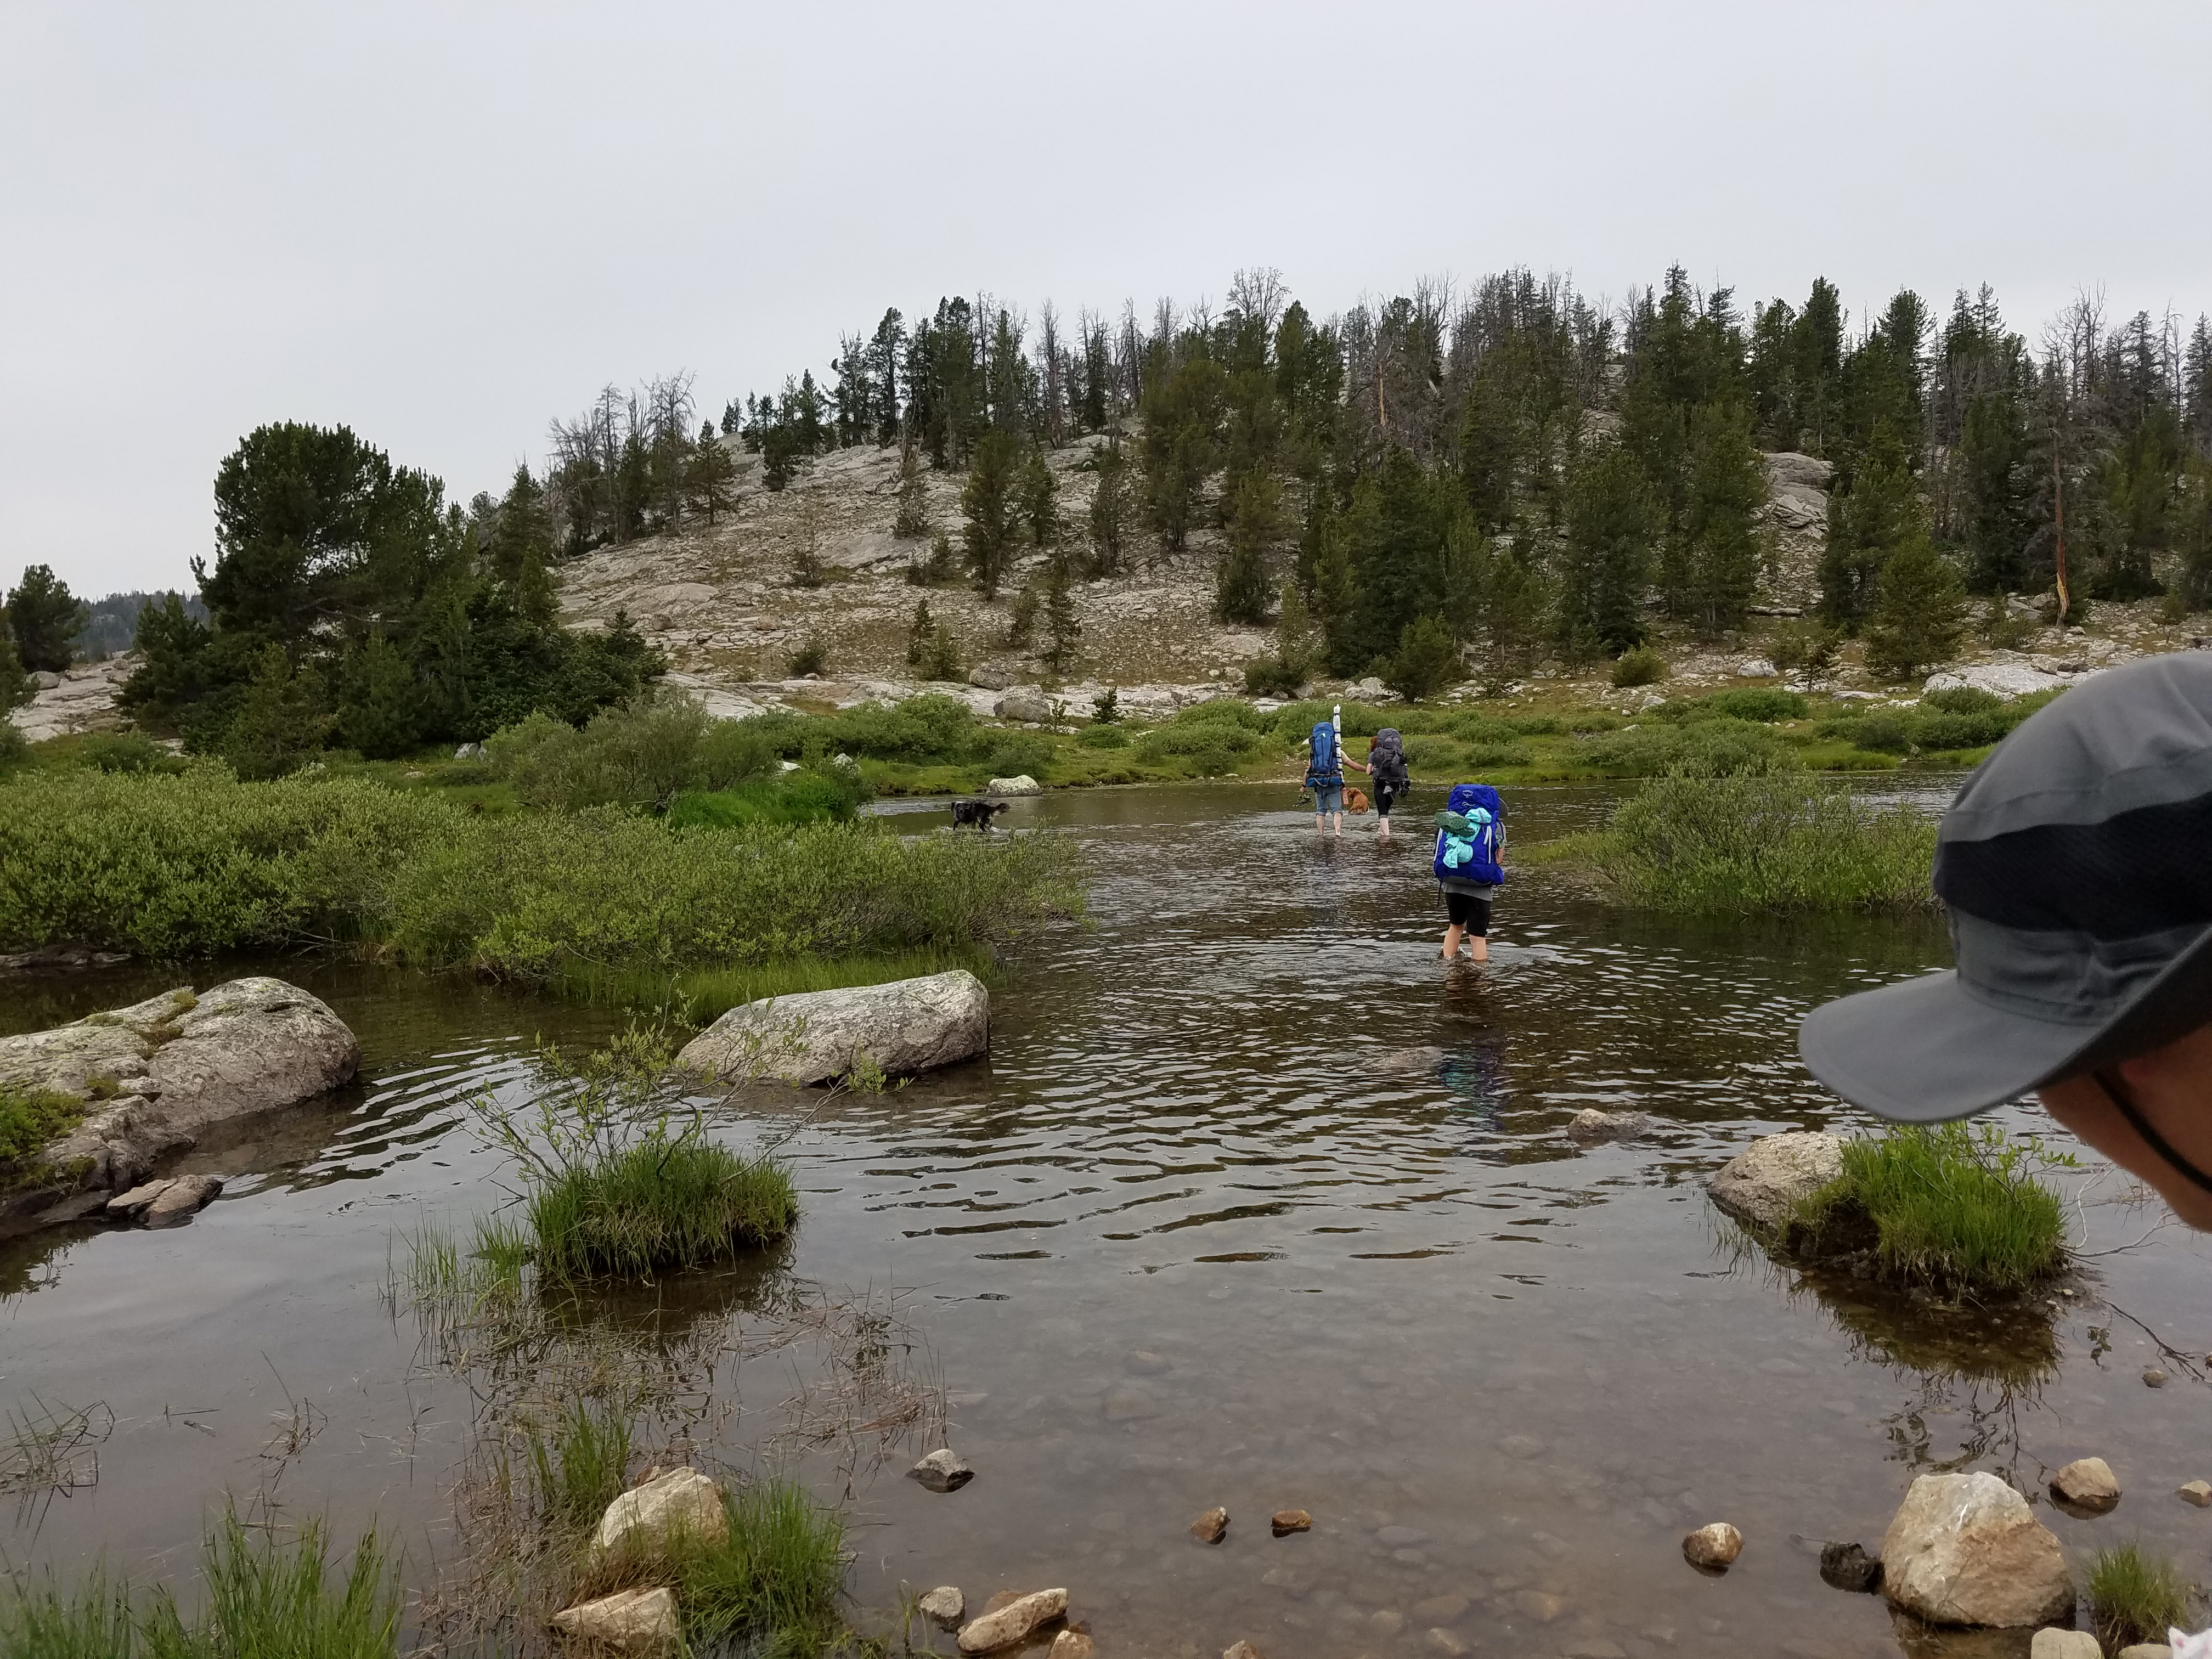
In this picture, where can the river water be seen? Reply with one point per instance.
(1185, 1240)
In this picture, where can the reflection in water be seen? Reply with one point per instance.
(1179, 1242)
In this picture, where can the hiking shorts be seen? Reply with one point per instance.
(1384, 795)
(1469, 910)
(1328, 800)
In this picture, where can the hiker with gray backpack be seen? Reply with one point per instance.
(1385, 766)
(1470, 865)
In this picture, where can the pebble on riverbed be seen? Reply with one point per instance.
(2052, 1643)
(1209, 1527)
(1848, 1567)
(1713, 1548)
(1003, 1626)
(1071, 1644)
(1285, 1521)
(2154, 1379)
(1242, 1651)
(943, 1470)
(945, 1605)
(2198, 1493)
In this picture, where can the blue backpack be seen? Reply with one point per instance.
(1469, 849)
(1324, 770)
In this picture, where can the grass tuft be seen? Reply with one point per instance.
(29, 1120)
(667, 1202)
(1941, 1207)
(2134, 1596)
(578, 1465)
(776, 1577)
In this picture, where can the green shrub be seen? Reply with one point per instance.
(1963, 700)
(1762, 703)
(29, 1120)
(1712, 748)
(1271, 677)
(1017, 754)
(1102, 736)
(1196, 737)
(811, 658)
(1535, 726)
(2134, 1596)
(166, 867)
(1426, 661)
(14, 746)
(1763, 841)
(1429, 753)
(831, 796)
(931, 728)
(1481, 728)
(1640, 665)
(1225, 711)
(640, 755)
(124, 751)
(1492, 756)
(1940, 1206)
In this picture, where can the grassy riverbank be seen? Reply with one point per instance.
(169, 866)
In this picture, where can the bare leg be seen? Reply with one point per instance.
(1452, 935)
(1339, 821)
(1319, 825)
(1383, 828)
(1478, 947)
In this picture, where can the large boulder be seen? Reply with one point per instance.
(1787, 466)
(1020, 784)
(156, 1075)
(1026, 703)
(1965, 1549)
(1764, 1182)
(2007, 680)
(643, 1518)
(817, 1037)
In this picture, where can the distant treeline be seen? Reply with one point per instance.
(1515, 465)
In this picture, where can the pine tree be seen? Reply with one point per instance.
(16, 687)
(1256, 526)
(1867, 524)
(913, 520)
(1021, 616)
(988, 503)
(1722, 533)
(380, 701)
(1182, 443)
(1605, 565)
(1490, 450)
(1992, 462)
(520, 550)
(1109, 510)
(1038, 494)
(278, 724)
(941, 660)
(920, 633)
(1509, 599)
(1425, 661)
(44, 616)
(713, 476)
(1062, 626)
(1920, 613)
(2193, 537)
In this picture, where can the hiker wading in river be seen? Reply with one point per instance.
(1325, 776)
(1470, 865)
(1385, 766)
(2076, 866)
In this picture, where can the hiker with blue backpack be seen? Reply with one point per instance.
(1325, 776)
(1470, 864)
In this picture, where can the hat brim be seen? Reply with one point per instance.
(1927, 1050)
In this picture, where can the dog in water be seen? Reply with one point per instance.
(1354, 801)
(976, 813)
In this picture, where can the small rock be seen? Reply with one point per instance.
(628, 1621)
(1386, 1621)
(1848, 1567)
(1713, 1547)
(1965, 1549)
(943, 1470)
(1244, 1650)
(1071, 1644)
(2145, 1650)
(2198, 1493)
(2086, 1485)
(1003, 1626)
(1763, 1183)
(2154, 1379)
(1440, 1640)
(1592, 1125)
(1285, 1521)
(1209, 1527)
(1756, 668)
(1441, 1609)
(1541, 1606)
(135, 1200)
(469, 752)
(1408, 1062)
(2052, 1643)
(945, 1605)
(183, 1199)
(682, 1500)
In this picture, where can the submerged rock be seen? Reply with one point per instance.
(628, 1621)
(1407, 1063)
(1965, 1549)
(906, 1026)
(682, 1500)
(943, 1470)
(181, 1199)
(1003, 1626)
(2154, 1379)
(153, 1075)
(1848, 1567)
(1285, 1521)
(1209, 1527)
(1713, 1547)
(2052, 1643)
(945, 1606)
(1241, 1651)
(1071, 1644)
(2086, 1486)
(1765, 1182)
(1591, 1125)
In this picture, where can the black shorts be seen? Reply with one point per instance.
(1469, 910)
(1384, 795)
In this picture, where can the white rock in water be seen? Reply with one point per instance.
(1763, 1182)
(1713, 1547)
(1020, 784)
(628, 1621)
(1756, 668)
(2086, 1483)
(2052, 1643)
(1965, 1549)
(945, 1605)
(906, 1026)
(682, 1500)
(1004, 1626)
(943, 1470)
(2000, 679)
(182, 1199)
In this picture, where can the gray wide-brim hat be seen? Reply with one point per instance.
(2075, 865)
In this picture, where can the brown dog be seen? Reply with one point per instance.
(1354, 801)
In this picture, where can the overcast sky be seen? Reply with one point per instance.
(444, 223)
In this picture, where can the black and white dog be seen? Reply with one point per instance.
(976, 813)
